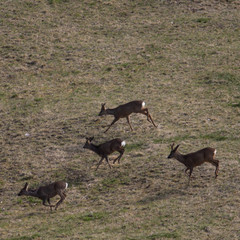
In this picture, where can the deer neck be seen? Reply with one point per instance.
(179, 157)
(110, 111)
(32, 193)
(94, 148)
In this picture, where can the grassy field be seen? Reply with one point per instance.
(59, 60)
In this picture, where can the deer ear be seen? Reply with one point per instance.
(175, 149)
(91, 138)
(26, 186)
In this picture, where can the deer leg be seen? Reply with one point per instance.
(215, 162)
(189, 176)
(47, 205)
(152, 121)
(61, 200)
(129, 122)
(119, 157)
(108, 162)
(99, 163)
(49, 202)
(145, 112)
(187, 169)
(114, 120)
(190, 173)
(116, 159)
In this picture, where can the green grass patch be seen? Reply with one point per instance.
(110, 182)
(221, 78)
(133, 146)
(174, 139)
(33, 199)
(51, 2)
(2, 95)
(202, 20)
(38, 99)
(88, 216)
(27, 178)
(235, 105)
(172, 235)
(217, 136)
(34, 236)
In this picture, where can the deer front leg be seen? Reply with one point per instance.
(108, 162)
(190, 173)
(128, 120)
(99, 163)
(115, 120)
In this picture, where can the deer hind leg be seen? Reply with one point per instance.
(149, 117)
(114, 120)
(63, 196)
(215, 162)
(47, 205)
(128, 120)
(119, 157)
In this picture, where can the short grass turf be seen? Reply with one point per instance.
(59, 60)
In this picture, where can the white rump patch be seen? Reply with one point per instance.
(215, 151)
(66, 185)
(143, 104)
(123, 143)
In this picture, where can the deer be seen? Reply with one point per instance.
(105, 149)
(195, 159)
(124, 110)
(46, 192)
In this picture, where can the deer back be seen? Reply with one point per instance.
(51, 190)
(199, 157)
(110, 146)
(123, 110)
(128, 108)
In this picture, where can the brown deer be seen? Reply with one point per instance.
(47, 192)
(123, 111)
(195, 159)
(105, 149)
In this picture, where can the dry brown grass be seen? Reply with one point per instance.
(59, 60)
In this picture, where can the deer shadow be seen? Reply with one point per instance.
(162, 195)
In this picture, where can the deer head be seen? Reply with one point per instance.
(103, 110)
(24, 190)
(173, 150)
(88, 142)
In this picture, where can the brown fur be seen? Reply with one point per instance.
(195, 159)
(106, 149)
(123, 111)
(46, 192)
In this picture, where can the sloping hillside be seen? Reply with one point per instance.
(59, 60)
